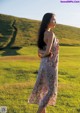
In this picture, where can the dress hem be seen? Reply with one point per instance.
(39, 104)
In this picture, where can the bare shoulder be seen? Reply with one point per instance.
(49, 34)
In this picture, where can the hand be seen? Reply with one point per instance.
(51, 56)
(43, 55)
(40, 55)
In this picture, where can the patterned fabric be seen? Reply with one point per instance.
(46, 86)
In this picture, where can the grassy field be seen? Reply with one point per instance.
(18, 72)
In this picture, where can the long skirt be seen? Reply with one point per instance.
(46, 86)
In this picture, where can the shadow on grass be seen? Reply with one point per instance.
(10, 52)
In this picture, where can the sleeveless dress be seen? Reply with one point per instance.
(46, 86)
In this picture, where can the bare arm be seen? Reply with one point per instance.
(49, 44)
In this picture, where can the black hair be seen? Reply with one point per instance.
(43, 27)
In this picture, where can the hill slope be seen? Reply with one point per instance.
(19, 32)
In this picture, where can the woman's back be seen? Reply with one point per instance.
(47, 34)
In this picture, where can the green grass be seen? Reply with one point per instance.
(17, 78)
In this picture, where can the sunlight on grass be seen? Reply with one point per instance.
(17, 78)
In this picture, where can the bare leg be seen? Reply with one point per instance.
(44, 111)
(41, 110)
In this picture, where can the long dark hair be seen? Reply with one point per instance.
(44, 24)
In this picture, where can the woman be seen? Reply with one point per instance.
(45, 89)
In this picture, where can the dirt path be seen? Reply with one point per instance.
(18, 57)
(14, 35)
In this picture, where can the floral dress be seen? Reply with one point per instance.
(46, 86)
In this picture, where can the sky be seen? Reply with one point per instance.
(66, 13)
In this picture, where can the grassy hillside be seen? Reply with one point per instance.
(19, 32)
